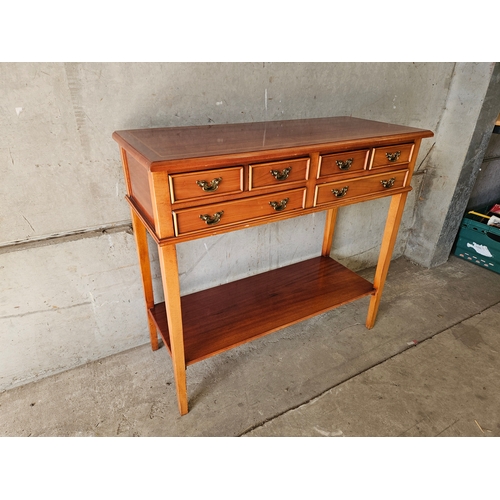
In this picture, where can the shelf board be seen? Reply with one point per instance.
(229, 315)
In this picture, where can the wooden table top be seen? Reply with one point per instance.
(176, 143)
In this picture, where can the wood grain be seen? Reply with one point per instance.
(360, 186)
(329, 166)
(389, 239)
(380, 159)
(173, 317)
(138, 187)
(245, 210)
(141, 242)
(261, 176)
(185, 187)
(220, 318)
(175, 143)
(330, 220)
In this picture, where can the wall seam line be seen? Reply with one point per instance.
(92, 232)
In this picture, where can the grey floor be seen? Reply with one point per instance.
(429, 367)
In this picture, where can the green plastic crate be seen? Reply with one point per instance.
(479, 243)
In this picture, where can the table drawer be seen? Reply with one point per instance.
(340, 163)
(391, 155)
(206, 183)
(278, 173)
(352, 188)
(221, 214)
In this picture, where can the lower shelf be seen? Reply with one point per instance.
(229, 315)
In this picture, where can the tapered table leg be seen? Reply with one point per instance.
(141, 242)
(331, 217)
(389, 239)
(171, 287)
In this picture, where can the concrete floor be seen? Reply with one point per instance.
(429, 367)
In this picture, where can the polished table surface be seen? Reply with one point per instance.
(174, 143)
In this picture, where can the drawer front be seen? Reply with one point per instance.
(341, 163)
(278, 173)
(391, 155)
(206, 183)
(351, 188)
(221, 214)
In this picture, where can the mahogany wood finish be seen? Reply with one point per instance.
(220, 318)
(279, 173)
(207, 185)
(168, 262)
(384, 259)
(331, 218)
(342, 163)
(359, 186)
(191, 182)
(190, 220)
(147, 281)
(392, 156)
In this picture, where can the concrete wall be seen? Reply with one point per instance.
(486, 189)
(452, 167)
(69, 282)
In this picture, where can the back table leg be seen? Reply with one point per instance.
(331, 217)
(389, 239)
(145, 266)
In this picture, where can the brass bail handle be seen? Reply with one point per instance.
(340, 192)
(389, 183)
(212, 219)
(279, 205)
(281, 176)
(210, 186)
(393, 156)
(344, 165)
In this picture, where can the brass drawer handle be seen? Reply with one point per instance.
(344, 165)
(214, 219)
(389, 183)
(393, 156)
(210, 186)
(279, 205)
(281, 176)
(340, 192)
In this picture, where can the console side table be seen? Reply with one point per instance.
(192, 182)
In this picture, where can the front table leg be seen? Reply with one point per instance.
(171, 288)
(389, 239)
